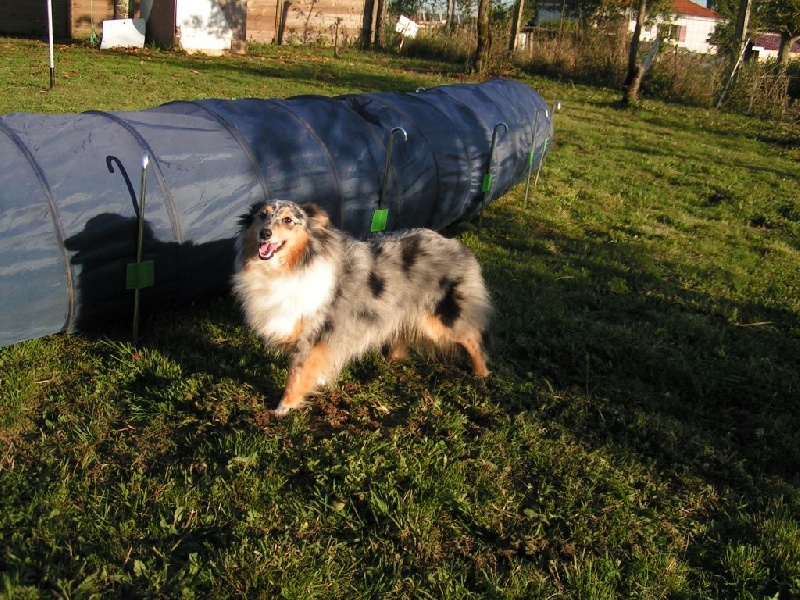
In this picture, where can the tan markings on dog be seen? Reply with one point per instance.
(303, 377)
(295, 248)
(321, 220)
(472, 344)
(436, 330)
(294, 335)
(441, 334)
(398, 350)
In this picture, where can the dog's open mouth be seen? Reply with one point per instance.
(267, 250)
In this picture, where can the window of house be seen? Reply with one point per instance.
(673, 32)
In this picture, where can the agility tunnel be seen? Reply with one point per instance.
(71, 187)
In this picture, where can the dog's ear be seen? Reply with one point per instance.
(247, 218)
(316, 216)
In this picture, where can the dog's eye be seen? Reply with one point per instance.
(287, 220)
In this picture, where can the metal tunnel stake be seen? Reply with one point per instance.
(50, 44)
(140, 274)
(381, 215)
(532, 153)
(545, 145)
(487, 178)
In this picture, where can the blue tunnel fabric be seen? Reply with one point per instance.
(69, 186)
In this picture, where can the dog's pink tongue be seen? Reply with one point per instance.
(266, 250)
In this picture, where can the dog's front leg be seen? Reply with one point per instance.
(308, 370)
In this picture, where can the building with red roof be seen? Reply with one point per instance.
(766, 46)
(687, 25)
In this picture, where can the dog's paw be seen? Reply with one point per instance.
(281, 411)
(284, 409)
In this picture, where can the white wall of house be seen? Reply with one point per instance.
(203, 26)
(698, 30)
(689, 33)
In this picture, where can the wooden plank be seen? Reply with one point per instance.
(85, 13)
(306, 20)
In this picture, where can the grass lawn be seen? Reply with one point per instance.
(639, 436)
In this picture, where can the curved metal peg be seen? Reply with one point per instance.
(494, 137)
(139, 275)
(551, 115)
(389, 153)
(380, 215)
(532, 153)
(395, 131)
(487, 178)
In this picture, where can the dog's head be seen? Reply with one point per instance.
(280, 234)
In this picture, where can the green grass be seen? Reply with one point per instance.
(639, 436)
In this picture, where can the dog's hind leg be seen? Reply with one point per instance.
(471, 341)
(398, 349)
(306, 373)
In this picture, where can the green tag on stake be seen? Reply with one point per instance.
(487, 183)
(140, 275)
(379, 218)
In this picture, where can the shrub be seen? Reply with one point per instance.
(588, 55)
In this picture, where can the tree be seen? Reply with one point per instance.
(366, 27)
(783, 17)
(481, 56)
(636, 71)
(380, 22)
(737, 46)
(121, 9)
(633, 80)
(588, 12)
(516, 24)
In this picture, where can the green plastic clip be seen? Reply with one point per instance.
(487, 183)
(140, 275)
(379, 218)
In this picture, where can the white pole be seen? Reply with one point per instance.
(50, 27)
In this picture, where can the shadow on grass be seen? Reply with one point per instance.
(638, 360)
(311, 68)
(665, 370)
(594, 341)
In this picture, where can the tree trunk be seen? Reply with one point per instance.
(634, 77)
(787, 41)
(366, 28)
(482, 50)
(451, 15)
(742, 22)
(380, 17)
(121, 9)
(516, 25)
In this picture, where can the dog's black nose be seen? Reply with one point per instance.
(265, 234)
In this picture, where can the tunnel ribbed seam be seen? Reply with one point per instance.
(55, 216)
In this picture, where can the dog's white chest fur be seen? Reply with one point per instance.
(275, 305)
